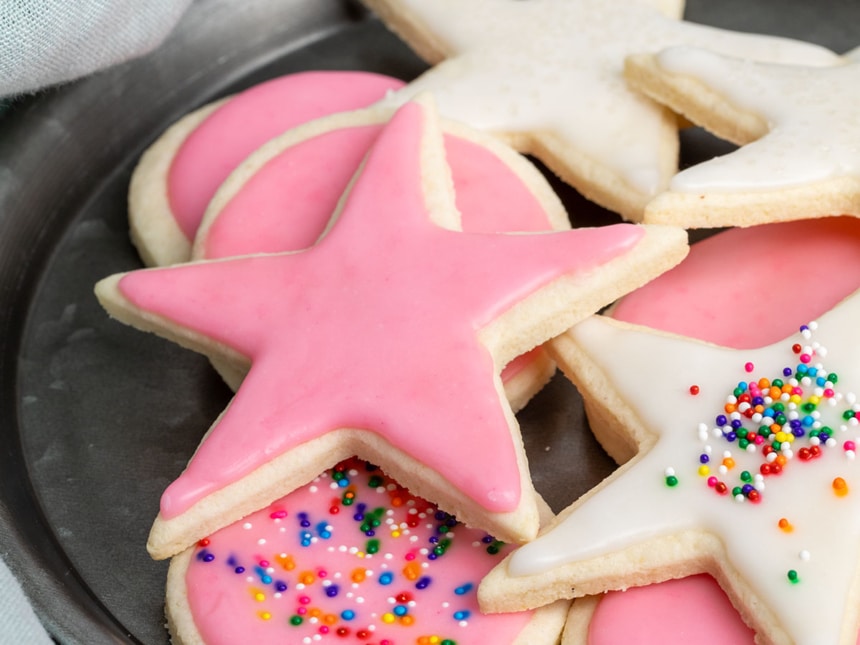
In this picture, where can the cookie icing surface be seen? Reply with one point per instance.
(813, 123)
(698, 474)
(252, 117)
(552, 70)
(350, 558)
(376, 378)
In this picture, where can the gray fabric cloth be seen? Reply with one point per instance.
(18, 621)
(45, 42)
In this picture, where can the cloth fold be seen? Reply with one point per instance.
(18, 621)
(45, 42)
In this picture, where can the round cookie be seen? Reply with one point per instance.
(180, 172)
(351, 557)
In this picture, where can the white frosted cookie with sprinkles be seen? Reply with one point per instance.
(708, 296)
(547, 76)
(797, 127)
(384, 339)
(746, 470)
(351, 557)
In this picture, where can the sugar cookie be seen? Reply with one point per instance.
(350, 556)
(385, 341)
(180, 172)
(702, 298)
(797, 126)
(736, 448)
(281, 198)
(547, 76)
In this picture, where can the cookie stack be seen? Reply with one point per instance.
(348, 264)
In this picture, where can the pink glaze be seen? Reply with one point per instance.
(740, 288)
(286, 205)
(387, 276)
(317, 563)
(690, 610)
(251, 118)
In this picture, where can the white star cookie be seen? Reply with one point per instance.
(763, 494)
(546, 75)
(798, 126)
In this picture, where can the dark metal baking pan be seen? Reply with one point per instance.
(95, 418)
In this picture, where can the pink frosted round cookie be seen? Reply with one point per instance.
(282, 197)
(350, 558)
(739, 288)
(180, 172)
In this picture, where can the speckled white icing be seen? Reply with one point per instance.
(553, 68)
(812, 117)
(653, 373)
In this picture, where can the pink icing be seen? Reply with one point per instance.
(286, 205)
(316, 562)
(251, 118)
(386, 275)
(740, 288)
(690, 610)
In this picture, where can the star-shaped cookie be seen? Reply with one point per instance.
(547, 75)
(798, 126)
(745, 469)
(385, 340)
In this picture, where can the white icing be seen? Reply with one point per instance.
(553, 68)
(653, 373)
(812, 117)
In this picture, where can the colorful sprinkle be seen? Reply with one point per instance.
(840, 487)
(326, 575)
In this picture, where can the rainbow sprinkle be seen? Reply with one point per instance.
(771, 418)
(352, 558)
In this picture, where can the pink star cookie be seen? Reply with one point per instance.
(282, 197)
(385, 340)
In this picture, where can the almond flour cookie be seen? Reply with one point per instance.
(384, 339)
